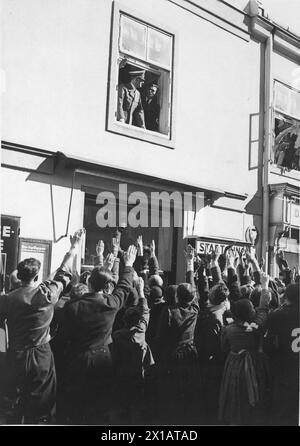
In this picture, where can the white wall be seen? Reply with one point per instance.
(32, 202)
(55, 56)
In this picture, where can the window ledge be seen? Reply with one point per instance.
(132, 131)
(294, 174)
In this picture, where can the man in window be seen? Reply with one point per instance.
(130, 109)
(151, 107)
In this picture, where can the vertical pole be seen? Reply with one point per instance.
(268, 82)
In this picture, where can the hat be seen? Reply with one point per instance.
(152, 84)
(135, 72)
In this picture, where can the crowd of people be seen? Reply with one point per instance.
(117, 345)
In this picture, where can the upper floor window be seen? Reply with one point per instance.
(141, 81)
(286, 153)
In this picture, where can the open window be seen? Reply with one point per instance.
(286, 148)
(140, 99)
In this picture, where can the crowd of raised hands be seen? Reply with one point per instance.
(239, 272)
(167, 344)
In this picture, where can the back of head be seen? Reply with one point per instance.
(155, 280)
(28, 269)
(292, 293)
(185, 293)
(244, 310)
(99, 279)
(170, 295)
(156, 294)
(218, 293)
(246, 291)
(131, 317)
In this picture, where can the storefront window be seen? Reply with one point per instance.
(163, 237)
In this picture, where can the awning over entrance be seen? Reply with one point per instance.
(68, 170)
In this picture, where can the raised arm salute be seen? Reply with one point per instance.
(28, 311)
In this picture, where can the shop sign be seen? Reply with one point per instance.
(208, 246)
(10, 227)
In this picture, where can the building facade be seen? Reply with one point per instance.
(227, 83)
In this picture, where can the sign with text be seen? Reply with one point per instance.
(207, 246)
(10, 228)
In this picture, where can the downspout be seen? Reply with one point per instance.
(262, 30)
(267, 147)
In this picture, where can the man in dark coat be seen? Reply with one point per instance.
(28, 311)
(283, 347)
(151, 107)
(130, 109)
(87, 326)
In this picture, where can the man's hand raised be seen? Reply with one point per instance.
(76, 238)
(130, 255)
(100, 248)
(109, 261)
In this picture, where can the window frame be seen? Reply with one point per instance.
(114, 126)
(294, 174)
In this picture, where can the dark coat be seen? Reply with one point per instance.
(151, 113)
(88, 320)
(30, 365)
(280, 340)
(29, 311)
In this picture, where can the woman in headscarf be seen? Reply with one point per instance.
(245, 376)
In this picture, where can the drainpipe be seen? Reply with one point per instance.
(268, 139)
(263, 32)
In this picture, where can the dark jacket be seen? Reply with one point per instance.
(282, 343)
(88, 320)
(280, 325)
(29, 311)
(151, 113)
(131, 353)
